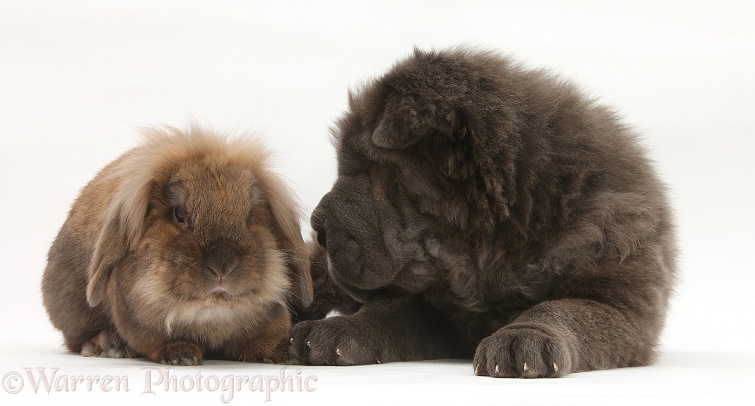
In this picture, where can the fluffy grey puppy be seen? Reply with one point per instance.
(485, 210)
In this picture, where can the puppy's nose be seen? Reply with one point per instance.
(318, 221)
(321, 238)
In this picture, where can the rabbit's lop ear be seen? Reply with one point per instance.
(121, 225)
(298, 269)
(110, 248)
(286, 215)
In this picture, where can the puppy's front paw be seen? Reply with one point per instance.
(334, 341)
(523, 351)
(179, 353)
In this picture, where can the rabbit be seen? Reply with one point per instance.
(185, 247)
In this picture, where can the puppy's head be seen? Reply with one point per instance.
(407, 179)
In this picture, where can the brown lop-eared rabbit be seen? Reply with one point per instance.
(489, 211)
(185, 247)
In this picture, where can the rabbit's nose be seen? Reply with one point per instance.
(221, 259)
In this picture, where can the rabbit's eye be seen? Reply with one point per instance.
(180, 215)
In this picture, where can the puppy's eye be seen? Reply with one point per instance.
(179, 215)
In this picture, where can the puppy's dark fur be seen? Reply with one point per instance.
(485, 210)
(327, 295)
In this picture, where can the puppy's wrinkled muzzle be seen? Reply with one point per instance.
(318, 221)
(348, 225)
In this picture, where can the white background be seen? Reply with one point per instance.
(78, 78)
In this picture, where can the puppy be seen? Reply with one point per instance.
(185, 247)
(488, 211)
(328, 296)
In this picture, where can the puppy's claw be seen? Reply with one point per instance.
(497, 369)
(338, 352)
(309, 344)
(526, 368)
(555, 367)
(477, 369)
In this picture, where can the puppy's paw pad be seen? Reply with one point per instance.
(332, 341)
(523, 352)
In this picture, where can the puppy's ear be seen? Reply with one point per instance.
(407, 121)
(286, 216)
